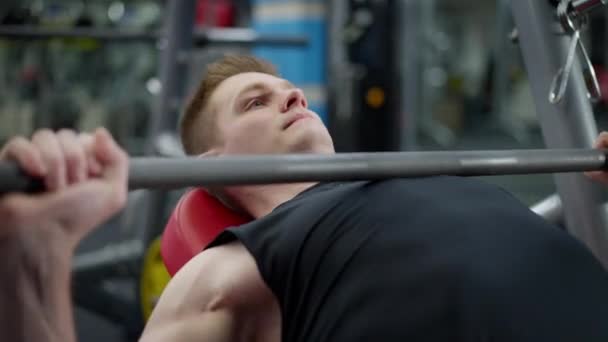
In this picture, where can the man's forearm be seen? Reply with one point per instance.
(35, 300)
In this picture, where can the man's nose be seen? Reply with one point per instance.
(294, 98)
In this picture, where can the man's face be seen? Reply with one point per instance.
(262, 114)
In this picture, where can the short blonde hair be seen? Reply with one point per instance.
(197, 127)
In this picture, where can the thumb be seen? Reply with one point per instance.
(114, 161)
(602, 140)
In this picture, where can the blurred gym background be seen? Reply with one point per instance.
(383, 74)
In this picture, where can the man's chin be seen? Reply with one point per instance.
(309, 141)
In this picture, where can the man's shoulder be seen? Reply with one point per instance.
(229, 273)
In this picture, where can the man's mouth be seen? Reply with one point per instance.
(295, 118)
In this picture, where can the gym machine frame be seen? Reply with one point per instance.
(565, 124)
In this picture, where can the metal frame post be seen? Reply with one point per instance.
(175, 44)
(568, 124)
(410, 54)
(503, 55)
(342, 79)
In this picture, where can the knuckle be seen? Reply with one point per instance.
(66, 137)
(72, 148)
(12, 146)
(17, 142)
(43, 132)
(66, 132)
(85, 138)
(72, 151)
(45, 140)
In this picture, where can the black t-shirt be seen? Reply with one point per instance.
(425, 259)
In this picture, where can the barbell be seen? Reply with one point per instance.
(174, 173)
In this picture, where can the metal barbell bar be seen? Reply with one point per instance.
(173, 173)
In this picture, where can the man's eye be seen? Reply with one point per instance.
(255, 103)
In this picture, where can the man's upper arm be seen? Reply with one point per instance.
(211, 326)
(196, 306)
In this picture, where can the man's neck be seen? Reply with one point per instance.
(260, 200)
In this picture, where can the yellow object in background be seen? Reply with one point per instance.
(154, 279)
